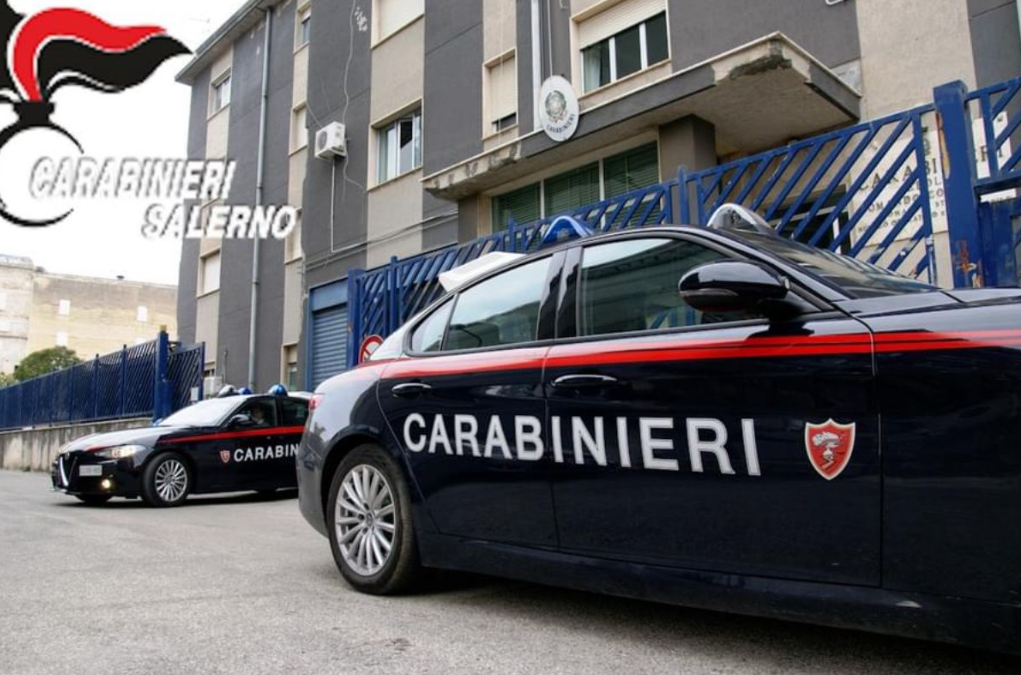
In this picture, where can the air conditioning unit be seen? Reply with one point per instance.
(331, 141)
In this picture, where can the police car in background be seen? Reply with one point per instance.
(715, 417)
(226, 444)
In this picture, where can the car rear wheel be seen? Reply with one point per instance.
(370, 525)
(166, 481)
(93, 500)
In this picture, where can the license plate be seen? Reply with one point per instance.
(90, 471)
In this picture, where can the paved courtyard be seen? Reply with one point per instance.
(239, 585)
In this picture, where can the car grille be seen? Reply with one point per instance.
(65, 469)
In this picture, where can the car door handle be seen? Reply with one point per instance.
(410, 389)
(584, 381)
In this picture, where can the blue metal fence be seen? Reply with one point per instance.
(884, 191)
(150, 379)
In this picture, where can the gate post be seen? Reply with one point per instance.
(683, 210)
(161, 383)
(958, 151)
(355, 282)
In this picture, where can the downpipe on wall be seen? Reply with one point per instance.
(260, 179)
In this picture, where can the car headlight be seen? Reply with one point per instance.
(120, 451)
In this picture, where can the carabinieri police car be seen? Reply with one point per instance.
(225, 444)
(714, 417)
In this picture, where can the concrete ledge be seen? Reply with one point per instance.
(36, 449)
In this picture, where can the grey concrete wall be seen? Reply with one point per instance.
(36, 449)
(995, 40)
(270, 319)
(234, 318)
(526, 102)
(452, 108)
(339, 78)
(187, 278)
(700, 29)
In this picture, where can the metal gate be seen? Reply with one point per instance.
(895, 191)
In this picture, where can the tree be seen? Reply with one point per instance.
(45, 361)
(6, 380)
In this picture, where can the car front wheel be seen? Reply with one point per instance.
(370, 524)
(166, 481)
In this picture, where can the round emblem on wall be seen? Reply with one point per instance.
(558, 108)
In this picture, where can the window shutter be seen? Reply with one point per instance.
(568, 191)
(394, 14)
(522, 205)
(629, 171)
(617, 18)
(503, 90)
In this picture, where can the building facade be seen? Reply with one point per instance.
(91, 316)
(438, 100)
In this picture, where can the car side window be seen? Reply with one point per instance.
(503, 310)
(293, 412)
(631, 285)
(262, 411)
(428, 337)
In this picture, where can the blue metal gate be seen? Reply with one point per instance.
(891, 191)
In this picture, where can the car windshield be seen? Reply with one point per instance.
(857, 279)
(203, 414)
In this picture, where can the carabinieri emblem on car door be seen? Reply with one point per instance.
(829, 446)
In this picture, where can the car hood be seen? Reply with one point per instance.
(143, 436)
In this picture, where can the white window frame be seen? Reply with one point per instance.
(142, 314)
(489, 123)
(216, 100)
(64, 308)
(383, 138)
(643, 47)
(299, 136)
(62, 340)
(203, 262)
(304, 17)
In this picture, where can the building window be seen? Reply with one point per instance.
(292, 244)
(389, 16)
(221, 93)
(299, 128)
(573, 189)
(501, 93)
(291, 367)
(142, 314)
(64, 308)
(209, 273)
(626, 52)
(521, 206)
(611, 177)
(304, 30)
(400, 147)
(62, 339)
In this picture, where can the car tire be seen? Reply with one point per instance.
(359, 534)
(167, 480)
(93, 500)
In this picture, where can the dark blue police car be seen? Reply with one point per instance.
(229, 444)
(719, 418)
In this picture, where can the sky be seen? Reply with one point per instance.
(103, 238)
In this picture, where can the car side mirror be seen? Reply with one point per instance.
(734, 285)
(240, 421)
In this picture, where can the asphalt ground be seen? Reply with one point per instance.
(237, 584)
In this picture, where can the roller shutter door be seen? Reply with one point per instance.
(329, 343)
